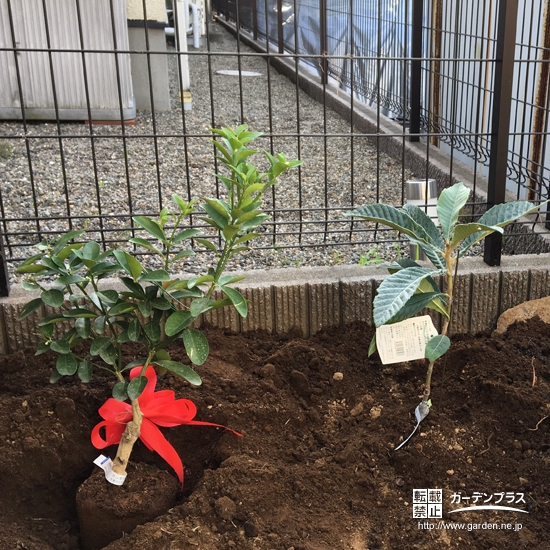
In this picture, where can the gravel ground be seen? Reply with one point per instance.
(130, 181)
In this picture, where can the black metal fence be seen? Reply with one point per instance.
(471, 90)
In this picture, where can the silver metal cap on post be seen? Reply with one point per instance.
(422, 193)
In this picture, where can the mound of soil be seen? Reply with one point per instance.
(316, 467)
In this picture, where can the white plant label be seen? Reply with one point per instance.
(106, 464)
(404, 341)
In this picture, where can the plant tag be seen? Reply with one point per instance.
(404, 341)
(106, 464)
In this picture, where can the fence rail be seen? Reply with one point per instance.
(421, 70)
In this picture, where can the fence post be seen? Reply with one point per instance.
(416, 69)
(323, 39)
(4, 278)
(500, 122)
(280, 26)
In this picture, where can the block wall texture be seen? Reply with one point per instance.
(311, 299)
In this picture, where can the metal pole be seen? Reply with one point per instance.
(4, 278)
(323, 40)
(500, 130)
(416, 69)
(422, 193)
(280, 26)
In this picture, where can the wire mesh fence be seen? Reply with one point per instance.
(343, 85)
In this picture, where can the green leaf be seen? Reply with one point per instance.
(85, 371)
(196, 281)
(60, 346)
(121, 308)
(200, 305)
(181, 370)
(66, 364)
(450, 203)
(463, 231)
(151, 226)
(216, 218)
(415, 304)
(30, 307)
(237, 300)
(158, 275)
(109, 355)
(120, 391)
(47, 331)
(30, 286)
(177, 322)
(136, 387)
(145, 308)
(135, 288)
(53, 297)
(208, 244)
(83, 327)
(185, 234)
(99, 344)
(100, 324)
(134, 330)
(71, 279)
(55, 377)
(422, 219)
(372, 346)
(128, 263)
(152, 330)
(79, 312)
(392, 217)
(182, 254)
(436, 347)
(501, 215)
(196, 346)
(65, 252)
(90, 251)
(109, 296)
(145, 243)
(64, 239)
(396, 290)
(31, 268)
(55, 318)
(161, 303)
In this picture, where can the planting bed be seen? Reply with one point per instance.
(315, 468)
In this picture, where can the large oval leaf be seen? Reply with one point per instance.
(181, 370)
(30, 307)
(151, 226)
(136, 386)
(237, 299)
(450, 203)
(196, 346)
(395, 292)
(53, 297)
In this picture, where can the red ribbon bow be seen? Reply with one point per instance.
(160, 408)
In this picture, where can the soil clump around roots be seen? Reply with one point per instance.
(315, 468)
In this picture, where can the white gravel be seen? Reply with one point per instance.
(185, 166)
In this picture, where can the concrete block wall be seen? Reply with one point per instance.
(310, 299)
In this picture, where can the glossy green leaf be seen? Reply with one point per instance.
(200, 305)
(145, 244)
(66, 364)
(53, 297)
(436, 347)
(60, 346)
(135, 288)
(85, 371)
(71, 279)
(207, 244)
(152, 330)
(134, 330)
(136, 386)
(99, 344)
(108, 296)
(46, 331)
(450, 203)
(151, 226)
(91, 251)
(55, 376)
(30, 286)
(109, 355)
(237, 300)
(161, 303)
(31, 268)
(145, 308)
(177, 322)
(182, 254)
(30, 307)
(185, 234)
(120, 391)
(181, 370)
(196, 346)
(121, 308)
(158, 275)
(128, 263)
(83, 327)
(100, 324)
(395, 291)
(64, 239)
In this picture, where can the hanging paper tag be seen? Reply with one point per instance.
(106, 464)
(404, 341)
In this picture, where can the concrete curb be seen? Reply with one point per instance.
(313, 298)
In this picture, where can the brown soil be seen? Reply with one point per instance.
(315, 469)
